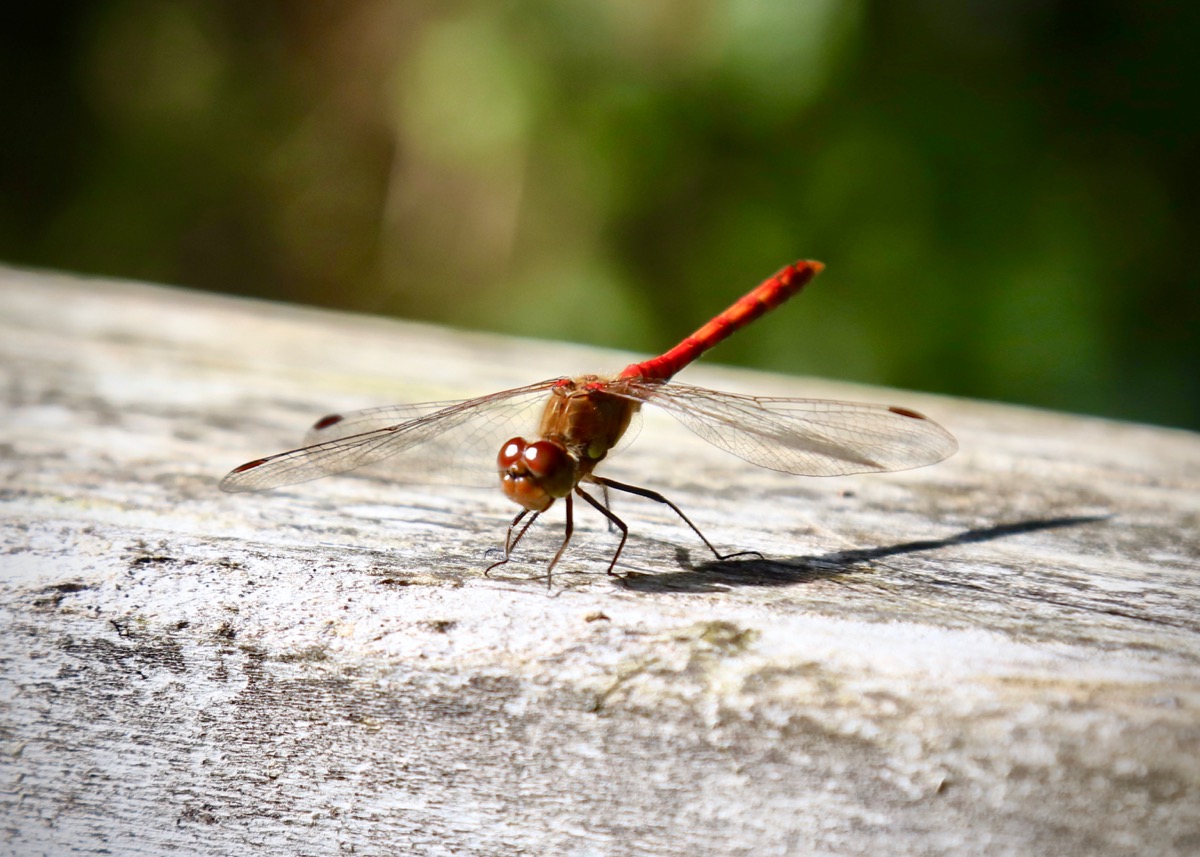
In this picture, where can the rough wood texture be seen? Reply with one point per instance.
(997, 655)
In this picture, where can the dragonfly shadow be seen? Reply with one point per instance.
(718, 575)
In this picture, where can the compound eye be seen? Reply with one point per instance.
(544, 459)
(512, 452)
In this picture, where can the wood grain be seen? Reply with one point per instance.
(996, 655)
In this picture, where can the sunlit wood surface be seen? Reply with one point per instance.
(996, 655)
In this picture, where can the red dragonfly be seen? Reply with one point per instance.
(584, 417)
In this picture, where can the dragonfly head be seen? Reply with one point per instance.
(533, 475)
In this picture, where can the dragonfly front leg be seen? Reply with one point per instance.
(510, 543)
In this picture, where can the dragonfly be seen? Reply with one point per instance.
(584, 417)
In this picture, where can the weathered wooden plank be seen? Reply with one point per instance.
(995, 655)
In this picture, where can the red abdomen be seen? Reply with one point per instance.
(746, 309)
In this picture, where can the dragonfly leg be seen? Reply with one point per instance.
(659, 498)
(612, 520)
(570, 528)
(510, 543)
(607, 504)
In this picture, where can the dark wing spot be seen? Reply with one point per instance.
(250, 465)
(905, 412)
(326, 422)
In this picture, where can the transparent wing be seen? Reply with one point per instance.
(451, 436)
(337, 426)
(808, 437)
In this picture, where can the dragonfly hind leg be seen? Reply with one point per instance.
(613, 520)
(658, 498)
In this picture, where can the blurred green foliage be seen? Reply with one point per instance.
(1003, 189)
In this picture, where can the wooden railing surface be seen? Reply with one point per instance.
(996, 655)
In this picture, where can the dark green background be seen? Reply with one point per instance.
(1005, 192)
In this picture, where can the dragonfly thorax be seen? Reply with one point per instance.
(585, 416)
(579, 425)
